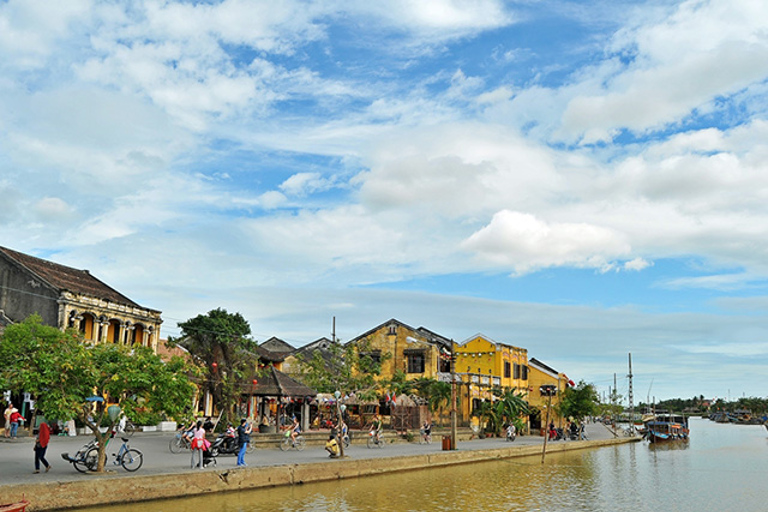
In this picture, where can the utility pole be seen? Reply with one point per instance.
(453, 398)
(549, 390)
(614, 397)
(339, 411)
(631, 401)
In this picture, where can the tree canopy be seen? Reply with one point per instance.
(62, 372)
(579, 401)
(220, 345)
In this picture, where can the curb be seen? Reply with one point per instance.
(111, 489)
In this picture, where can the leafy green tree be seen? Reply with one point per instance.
(349, 369)
(579, 402)
(510, 407)
(220, 345)
(437, 394)
(66, 374)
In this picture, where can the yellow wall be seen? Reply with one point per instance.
(396, 340)
(536, 379)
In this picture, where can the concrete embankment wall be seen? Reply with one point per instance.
(110, 490)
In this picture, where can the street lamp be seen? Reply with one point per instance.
(547, 390)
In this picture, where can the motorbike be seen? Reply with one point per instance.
(511, 434)
(224, 444)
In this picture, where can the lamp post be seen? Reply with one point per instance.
(547, 390)
(340, 421)
(453, 398)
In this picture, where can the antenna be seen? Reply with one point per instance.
(631, 402)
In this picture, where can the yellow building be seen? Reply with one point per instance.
(484, 365)
(542, 375)
(416, 352)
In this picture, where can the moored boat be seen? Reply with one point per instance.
(19, 506)
(667, 427)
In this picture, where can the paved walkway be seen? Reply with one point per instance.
(17, 457)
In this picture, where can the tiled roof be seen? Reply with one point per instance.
(68, 278)
(275, 383)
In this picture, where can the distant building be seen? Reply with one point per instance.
(273, 352)
(67, 297)
(543, 375)
(321, 346)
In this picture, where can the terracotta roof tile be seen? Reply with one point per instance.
(68, 278)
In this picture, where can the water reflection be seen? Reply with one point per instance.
(720, 468)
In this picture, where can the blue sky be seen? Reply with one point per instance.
(582, 179)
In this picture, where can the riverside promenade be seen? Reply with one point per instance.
(165, 475)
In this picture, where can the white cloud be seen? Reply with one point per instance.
(703, 51)
(524, 243)
(305, 183)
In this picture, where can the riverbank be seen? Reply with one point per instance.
(271, 471)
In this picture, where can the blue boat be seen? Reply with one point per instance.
(666, 427)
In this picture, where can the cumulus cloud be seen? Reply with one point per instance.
(524, 243)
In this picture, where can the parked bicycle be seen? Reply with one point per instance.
(374, 439)
(87, 457)
(130, 458)
(287, 443)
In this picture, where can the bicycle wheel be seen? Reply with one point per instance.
(176, 444)
(249, 448)
(345, 440)
(132, 460)
(380, 443)
(285, 444)
(371, 441)
(91, 460)
(130, 429)
(82, 463)
(300, 442)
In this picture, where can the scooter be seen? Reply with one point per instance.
(511, 434)
(224, 444)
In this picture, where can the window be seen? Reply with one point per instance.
(416, 362)
(374, 356)
(525, 372)
(517, 371)
(392, 330)
(507, 369)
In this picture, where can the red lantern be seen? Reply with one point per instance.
(255, 382)
(214, 365)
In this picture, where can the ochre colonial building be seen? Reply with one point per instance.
(67, 297)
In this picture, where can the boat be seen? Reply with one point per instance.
(19, 506)
(666, 427)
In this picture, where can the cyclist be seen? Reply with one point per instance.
(295, 429)
(376, 427)
(426, 430)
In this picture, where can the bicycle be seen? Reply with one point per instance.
(130, 458)
(287, 443)
(180, 442)
(425, 437)
(87, 458)
(374, 439)
(128, 429)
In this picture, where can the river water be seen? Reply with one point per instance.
(722, 468)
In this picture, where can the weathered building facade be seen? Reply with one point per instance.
(67, 297)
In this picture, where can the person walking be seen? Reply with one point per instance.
(41, 445)
(8, 412)
(243, 438)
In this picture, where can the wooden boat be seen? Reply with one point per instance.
(667, 427)
(14, 507)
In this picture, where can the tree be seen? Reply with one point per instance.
(349, 369)
(437, 394)
(509, 408)
(220, 345)
(71, 378)
(579, 401)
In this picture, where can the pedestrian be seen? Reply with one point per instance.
(243, 438)
(41, 445)
(16, 418)
(8, 411)
(198, 444)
